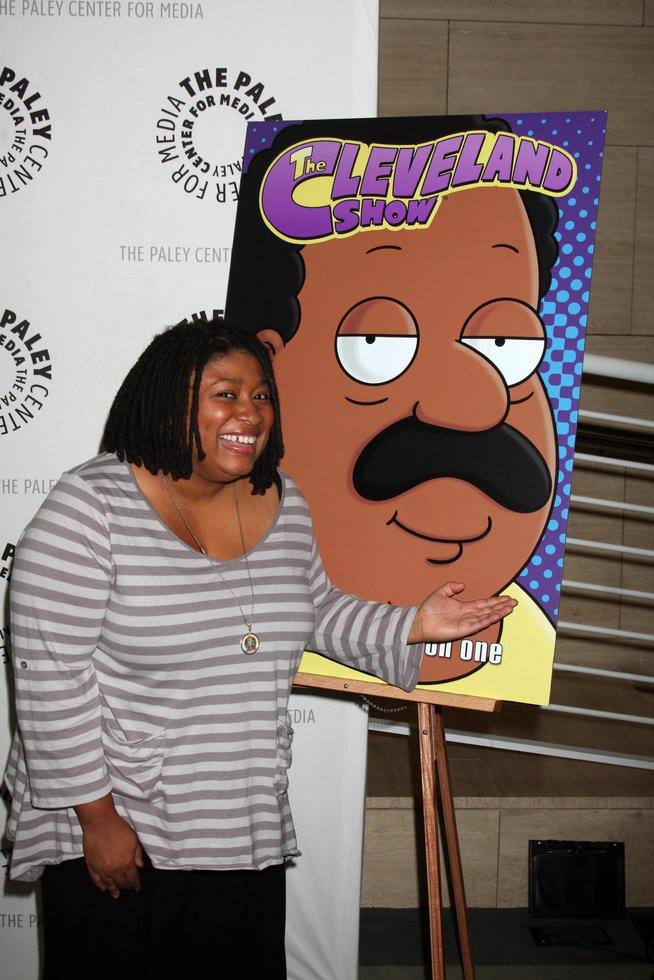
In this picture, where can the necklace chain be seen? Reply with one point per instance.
(249, 642)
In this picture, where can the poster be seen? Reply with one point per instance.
(423, 286)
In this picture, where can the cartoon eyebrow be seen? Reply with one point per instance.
(378, 248)
(505, 245)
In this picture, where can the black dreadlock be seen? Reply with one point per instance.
(150, 424)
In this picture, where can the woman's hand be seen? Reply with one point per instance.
(111, 848)
(443, 617)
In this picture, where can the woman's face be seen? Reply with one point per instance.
(235, 416)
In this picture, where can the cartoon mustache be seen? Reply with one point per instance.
(500, 462)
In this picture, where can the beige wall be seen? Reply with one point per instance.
(521, 55)
(440, 56)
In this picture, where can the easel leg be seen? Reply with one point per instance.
(430, 817)
(452, 842)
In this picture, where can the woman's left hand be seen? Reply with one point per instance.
(443, 617)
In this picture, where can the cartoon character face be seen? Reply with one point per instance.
(413, 413)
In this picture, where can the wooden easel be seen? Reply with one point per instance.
(436, 786)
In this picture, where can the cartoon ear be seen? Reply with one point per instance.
(272, 340)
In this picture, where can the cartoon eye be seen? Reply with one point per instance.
(514, 357)
(377, 340)
(375, 358)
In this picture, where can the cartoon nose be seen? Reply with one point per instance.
(466, 392)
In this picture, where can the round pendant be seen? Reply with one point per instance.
(250, 643)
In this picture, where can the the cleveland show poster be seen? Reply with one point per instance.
(423, 287)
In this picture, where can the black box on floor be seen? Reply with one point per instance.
(581, 879)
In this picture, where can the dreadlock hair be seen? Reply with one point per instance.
(151, 422)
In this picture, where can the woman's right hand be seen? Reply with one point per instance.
(111, 848)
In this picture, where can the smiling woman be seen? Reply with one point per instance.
(161, 601)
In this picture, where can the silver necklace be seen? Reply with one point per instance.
(249, 641)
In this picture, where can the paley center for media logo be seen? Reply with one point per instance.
(25, 131)
(200, 131)
(25, 372)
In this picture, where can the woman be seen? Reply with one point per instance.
(161, 600)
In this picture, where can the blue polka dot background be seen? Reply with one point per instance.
(564, 311)
(261, 136)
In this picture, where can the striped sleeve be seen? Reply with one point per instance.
(59, 592)
(368, 636)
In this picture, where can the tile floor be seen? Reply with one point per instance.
(392, 947)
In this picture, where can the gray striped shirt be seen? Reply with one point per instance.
(130, 678)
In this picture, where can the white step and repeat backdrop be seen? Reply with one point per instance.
(121, 130)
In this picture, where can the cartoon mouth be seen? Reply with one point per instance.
(452, 548)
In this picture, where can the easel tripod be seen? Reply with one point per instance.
(433, 763)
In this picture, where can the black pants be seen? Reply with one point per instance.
(182, 925)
